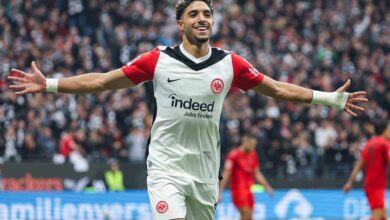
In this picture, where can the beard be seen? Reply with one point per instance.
(202, 40)
(193, 39)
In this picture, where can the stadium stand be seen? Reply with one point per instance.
(318, 44)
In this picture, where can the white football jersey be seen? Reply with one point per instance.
(189, 93)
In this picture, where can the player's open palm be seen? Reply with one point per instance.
(27, 82)
(351, 106)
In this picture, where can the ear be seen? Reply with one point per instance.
(180, 25)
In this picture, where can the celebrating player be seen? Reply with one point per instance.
(190, 82)
(241, 167)
(374, 159)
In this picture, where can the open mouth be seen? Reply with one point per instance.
(201, 28)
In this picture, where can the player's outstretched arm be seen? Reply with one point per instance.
(87, 83)
(349, 184)
(339, 99)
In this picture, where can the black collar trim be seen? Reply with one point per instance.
(216, 56)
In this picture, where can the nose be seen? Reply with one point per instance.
(201, 17)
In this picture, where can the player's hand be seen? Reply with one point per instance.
(347, 187)
(28, 82)
(353, 98)
(270, 192)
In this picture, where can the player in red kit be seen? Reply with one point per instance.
(242, 168)
(374, 160)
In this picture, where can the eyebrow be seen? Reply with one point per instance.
(197, 11)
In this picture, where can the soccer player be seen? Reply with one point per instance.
(190, 82)
(374, 159)
(241, 168)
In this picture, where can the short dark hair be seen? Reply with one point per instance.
(183, 4)
(380, 126)
(247, 136)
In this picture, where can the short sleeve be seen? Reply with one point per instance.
(245, 75)
(229, 161)
(142, 68)
(364, 153)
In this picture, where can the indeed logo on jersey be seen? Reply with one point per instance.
(192, 105)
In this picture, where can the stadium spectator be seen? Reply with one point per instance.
(95, 147)
(375, 158)
(136, 143)
(30, 150)
(47, 143)
(304, 156)
(72, 142)
(11, 150)
(325, 136)
(72, 148)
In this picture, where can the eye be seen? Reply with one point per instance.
(207, 14)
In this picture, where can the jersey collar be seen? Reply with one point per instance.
(194, 59)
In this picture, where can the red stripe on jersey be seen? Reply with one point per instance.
(142, 68)
(245, 75)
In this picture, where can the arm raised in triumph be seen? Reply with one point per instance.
(339, 99)
(86, 83)
(247, 77)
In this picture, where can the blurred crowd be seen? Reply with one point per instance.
(316, 44)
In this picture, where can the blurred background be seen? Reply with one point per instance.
(67, 143)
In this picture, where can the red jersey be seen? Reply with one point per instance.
(375, 154)
(242, 166)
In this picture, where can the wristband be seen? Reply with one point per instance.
(51, 85)
(333, 99)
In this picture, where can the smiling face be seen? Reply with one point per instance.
(196, 23)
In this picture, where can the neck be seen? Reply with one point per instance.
(196, 50)
(384, 135)
(245, 151)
